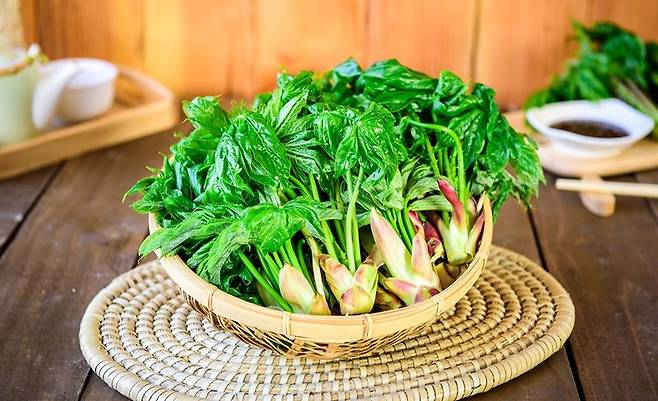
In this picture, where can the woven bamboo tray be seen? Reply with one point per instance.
(141, 337)
(321, 337)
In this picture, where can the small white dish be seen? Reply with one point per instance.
(89, 93)
(610, 111)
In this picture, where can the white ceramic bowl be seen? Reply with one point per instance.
(610, 111)
(90, 92)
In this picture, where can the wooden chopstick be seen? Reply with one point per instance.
(600, 203)
(617, 188)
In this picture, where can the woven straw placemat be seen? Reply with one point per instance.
(141, 338)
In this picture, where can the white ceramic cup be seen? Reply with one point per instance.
(89, 93)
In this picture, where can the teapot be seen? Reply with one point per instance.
(28, 94)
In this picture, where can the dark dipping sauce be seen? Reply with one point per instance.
(596, 129)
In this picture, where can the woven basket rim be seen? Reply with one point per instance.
(345, 328)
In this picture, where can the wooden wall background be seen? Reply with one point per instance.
(235, 47)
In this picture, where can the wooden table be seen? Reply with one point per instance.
(64, 234)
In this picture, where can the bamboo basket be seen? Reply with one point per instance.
(321, 337)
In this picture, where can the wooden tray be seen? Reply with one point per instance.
(141, 107)
(642, 156)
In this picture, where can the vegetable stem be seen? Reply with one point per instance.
(299, 250)
(631, 94)
(299, 258)
(433, 162)
(263, 283)
(300, 185)
(352, 235)
(283, 255)
(407, 223)
(277, 259)
(356, 241)
(269, 273)
(290, 193)
(446, 166)
(292, 259)
(292, 256)
(402, 230)
(340, 233)
(317, 276)
(326, 231)
(273, 266)
(461, 175)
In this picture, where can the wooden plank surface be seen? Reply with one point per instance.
(650, 177)
(11, 24)
(236, 47)
(30, 21)
(522, 43)
(96, 179)
(77, 239)
(553, 379)
(17, 197)
(199, 46)
(639, 16)
(302, 35)
(107, 29)
(609, 267)
(430, 36)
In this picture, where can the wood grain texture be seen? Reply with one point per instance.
(30, 21)
(553, 379)
(650, 177)
(97, 390)
(301, 35)
(514, 232)
(430, 36)
(236, 47)
(77, 239)
(522, 43)
(601, 204)
(107, 29)
(199, 46)
(608, 266)
(639, 16)
(17, 197)
(11, 24)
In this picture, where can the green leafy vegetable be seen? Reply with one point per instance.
(274, 203)
(610, 62)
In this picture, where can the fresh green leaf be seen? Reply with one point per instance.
(206, 112)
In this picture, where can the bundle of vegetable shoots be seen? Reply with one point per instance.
(343, 193)
(610, 62)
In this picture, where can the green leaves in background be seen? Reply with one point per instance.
(611, 62)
